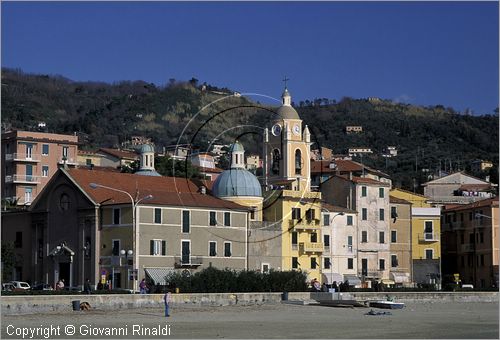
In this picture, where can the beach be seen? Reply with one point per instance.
(416, 320)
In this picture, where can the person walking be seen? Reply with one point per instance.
(143, 286)
(86, 287)
(167, 299)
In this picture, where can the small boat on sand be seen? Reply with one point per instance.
(386, 304)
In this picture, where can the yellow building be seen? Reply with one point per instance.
(288, 199)
(425, 237)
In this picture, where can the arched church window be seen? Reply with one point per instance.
(276, 161)
(298, 162)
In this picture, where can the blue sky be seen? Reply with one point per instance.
(417, 52)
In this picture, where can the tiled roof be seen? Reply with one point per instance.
(211, 170)
(397, 200)
(483, 203)
(172, 191)
(335, 208)
(121, 154)
(342, 165)
(475, 187)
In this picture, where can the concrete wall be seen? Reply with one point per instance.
(12, 305)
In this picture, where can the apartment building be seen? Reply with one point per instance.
(400, 241)
(30, 159)
(470, 242)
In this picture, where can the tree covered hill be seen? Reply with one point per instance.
(427, 138)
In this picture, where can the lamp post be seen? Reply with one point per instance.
(331, 241)
(127, 253)
(134, 203)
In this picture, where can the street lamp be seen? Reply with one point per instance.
(134, 203)
(331, 241)
(127, 253)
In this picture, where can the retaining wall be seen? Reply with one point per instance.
(59, 303)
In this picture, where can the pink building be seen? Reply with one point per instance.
(29, 159)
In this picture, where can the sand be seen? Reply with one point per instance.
(416, 320)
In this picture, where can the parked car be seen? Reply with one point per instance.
(7, 287)
(20, 285)
(42, 286)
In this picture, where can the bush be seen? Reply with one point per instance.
(213, 280)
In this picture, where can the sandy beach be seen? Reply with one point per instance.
(416, 320)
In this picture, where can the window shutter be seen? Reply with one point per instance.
(151, 247)
(164, 247)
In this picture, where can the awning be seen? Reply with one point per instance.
(158, 275)
(387, 282)
(400, 277)
(353, 280)
(330, 277)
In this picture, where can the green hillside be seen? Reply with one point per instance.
(427, 138)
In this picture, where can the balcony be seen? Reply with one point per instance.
(22, 157)
(68, 161)
(428, 237)
(22, 179)
(304, 224)
(188, 261)
(370, 273)
(302, 194)
(312, 247)
(467, 248)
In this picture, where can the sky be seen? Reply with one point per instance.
(424, 53)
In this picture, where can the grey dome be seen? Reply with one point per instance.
(236, 147)
(146, 148)
(287, 112)
(147, 173)
(236, 182)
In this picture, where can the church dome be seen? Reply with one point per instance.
(287, 112)
(236, 182)
(146, 148)
(236, 147)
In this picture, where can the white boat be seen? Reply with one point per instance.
(386, 304)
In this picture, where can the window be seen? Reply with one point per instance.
(364, 236)
(461, 217)
(394, 236)
(295, 262)
(116, 215)
(394, 261)
(227, 219)
(185, 221)
(381, 192)
(326, 263)
(27, 194)
(213, 218)
(482, 259)
(45, 171)
(310, 214)
(45, 149)
(313, 263)
(158, 247)
(394, 212)
(349, 243)
(298, 162)
(363, 191)
(157, 215)
(326, 240)
(19, 240)
(29, 173)
(349, 220)
(428, 230)
(481, 237)
(212, 248)
(295, 213)
(470, 216)
(88, 162)
(252, 213)
(350, 264)
(265, 268)
(276, 162)
(364, 214)
(429, 254)
(381, 213)
(115, 250)
(227, 249)
(294, 238)
(326, 220)
(381, 237)
(381, 264)
(186, 252)
(314, 237)
(65, 150)
(364, 267)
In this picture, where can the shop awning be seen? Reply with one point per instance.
(353, 280)
(400, 277)
(158, 275)
(387, 282)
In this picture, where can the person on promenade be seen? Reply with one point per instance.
(167, 299)
(143, 286)
(60, 284)
(316, 285)
(86, 287)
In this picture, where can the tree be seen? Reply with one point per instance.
(8, 260)
(166, 166)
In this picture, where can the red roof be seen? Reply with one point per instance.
(493, 202)
(121, 154)
(397, 200)
(335, 208)
(342, 165)
(209, 170)
(172, 191)
(475, 187)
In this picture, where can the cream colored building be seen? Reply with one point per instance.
(400, 241)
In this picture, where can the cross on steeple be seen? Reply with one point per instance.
(285, 80)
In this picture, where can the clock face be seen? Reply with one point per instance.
(296, 129)
(276, 130)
